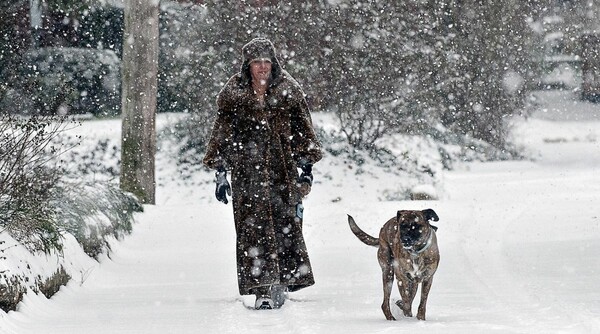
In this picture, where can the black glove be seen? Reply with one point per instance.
(306, 175)
(223, 188)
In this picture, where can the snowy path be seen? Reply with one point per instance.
(519, 244)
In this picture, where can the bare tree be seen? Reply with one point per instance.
(139, 75)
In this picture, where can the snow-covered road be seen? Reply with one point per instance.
(519, 248)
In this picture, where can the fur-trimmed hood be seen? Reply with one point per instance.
(259, 48)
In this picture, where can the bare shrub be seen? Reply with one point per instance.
(27, 179)
(363, 128)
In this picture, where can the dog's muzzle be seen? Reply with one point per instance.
(409, 239)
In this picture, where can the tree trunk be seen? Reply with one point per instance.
(139, 75)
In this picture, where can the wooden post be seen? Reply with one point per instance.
(139, 89)
(590, 66)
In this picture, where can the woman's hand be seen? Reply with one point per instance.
(306, 176)
(305, 179)
(223, 188)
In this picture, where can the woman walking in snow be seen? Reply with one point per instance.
(262, 135)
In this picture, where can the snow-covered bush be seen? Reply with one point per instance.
(95, 213)
(40, 209)
(67, 81)
(38, 204)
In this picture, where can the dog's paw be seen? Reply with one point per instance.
(387, 312)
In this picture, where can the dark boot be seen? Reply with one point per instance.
(263, 298)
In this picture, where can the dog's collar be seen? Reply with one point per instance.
(426, 246)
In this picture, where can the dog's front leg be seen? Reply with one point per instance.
(425, 287)
(407, 291)
(387, 271)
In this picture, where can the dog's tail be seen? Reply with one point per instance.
(362, 235)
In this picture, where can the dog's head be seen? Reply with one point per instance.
(414, 226)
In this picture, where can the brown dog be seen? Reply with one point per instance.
(407, 248)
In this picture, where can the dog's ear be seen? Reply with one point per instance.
(399, 215)
(429, 214)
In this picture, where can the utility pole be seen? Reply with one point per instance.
(35, 20)
(139, 85)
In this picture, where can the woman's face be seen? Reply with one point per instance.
(260, 69)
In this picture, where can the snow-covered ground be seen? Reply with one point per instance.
(519, 244)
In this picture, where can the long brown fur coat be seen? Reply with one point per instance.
(262, 145)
